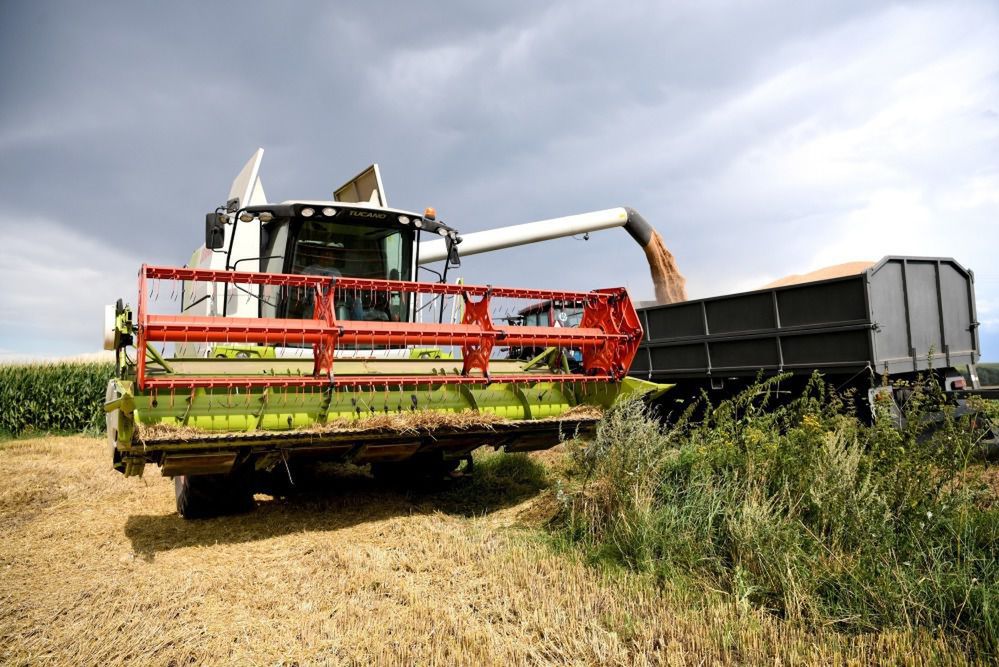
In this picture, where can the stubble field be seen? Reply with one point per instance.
(99, 569)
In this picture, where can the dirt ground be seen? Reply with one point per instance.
(99, 569)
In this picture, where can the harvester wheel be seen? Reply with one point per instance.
(203, 496)
(283, 480)
(416, 469)
(390, 473)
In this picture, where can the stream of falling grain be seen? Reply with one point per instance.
(670, 284)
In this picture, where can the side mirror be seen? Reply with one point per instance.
(452, 252)
(214, 231)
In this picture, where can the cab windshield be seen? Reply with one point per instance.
(326, 248)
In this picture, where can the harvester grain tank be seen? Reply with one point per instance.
(299, 332)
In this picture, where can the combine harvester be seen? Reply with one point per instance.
(298, 333)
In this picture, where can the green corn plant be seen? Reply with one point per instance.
(59, 397)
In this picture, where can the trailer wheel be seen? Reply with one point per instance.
(203, 496)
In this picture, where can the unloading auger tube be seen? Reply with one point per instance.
(543, 230)
(348, 401)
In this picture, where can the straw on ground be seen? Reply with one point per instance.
(98, 569)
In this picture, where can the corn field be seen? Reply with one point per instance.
(53, 397)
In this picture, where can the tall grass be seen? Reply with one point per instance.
(56, 397)
(799, 509)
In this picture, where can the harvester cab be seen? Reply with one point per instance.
(353, 235)
(552, 314)
(299, 332)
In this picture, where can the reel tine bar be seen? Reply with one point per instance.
(608, 335)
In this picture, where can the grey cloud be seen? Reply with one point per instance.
(751, 134)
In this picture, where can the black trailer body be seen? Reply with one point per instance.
(901, 316)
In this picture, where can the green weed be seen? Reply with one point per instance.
(800, 509)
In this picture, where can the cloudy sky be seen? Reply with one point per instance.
(761, 139)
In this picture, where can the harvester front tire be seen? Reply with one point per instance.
(204, 496)
(414, 470)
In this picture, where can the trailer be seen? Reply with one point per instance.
(901, 317)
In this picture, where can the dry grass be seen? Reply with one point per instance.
(98, 569)
(402, 422)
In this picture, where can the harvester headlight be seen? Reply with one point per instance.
(404, 219)
(307, 212)
(417, 222)
(329, 211)
(442, 231)
(246, 216)
(266, 216)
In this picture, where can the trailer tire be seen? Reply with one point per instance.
(204, 496)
